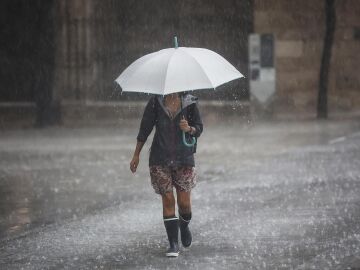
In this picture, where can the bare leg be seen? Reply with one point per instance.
(168, 201)
(184, 202)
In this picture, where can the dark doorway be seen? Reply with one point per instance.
(27, 53)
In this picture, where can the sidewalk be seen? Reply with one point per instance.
(270, 195)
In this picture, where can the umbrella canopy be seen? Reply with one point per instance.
(176, 70)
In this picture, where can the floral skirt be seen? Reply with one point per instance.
(164, 178)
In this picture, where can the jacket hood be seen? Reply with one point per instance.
(186, 100)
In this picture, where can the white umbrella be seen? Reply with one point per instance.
(176, 70)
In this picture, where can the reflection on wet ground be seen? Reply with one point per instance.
(270, 195)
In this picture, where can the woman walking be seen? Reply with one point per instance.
(171, 162)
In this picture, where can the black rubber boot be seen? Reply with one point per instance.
(172, 230)
(186, 237)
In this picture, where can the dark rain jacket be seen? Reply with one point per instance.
(167, 147)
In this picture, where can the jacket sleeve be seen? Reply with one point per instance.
(195, 121)
(147, 121)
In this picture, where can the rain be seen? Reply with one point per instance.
(277, 163)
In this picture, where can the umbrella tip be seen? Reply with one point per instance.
(176, 42)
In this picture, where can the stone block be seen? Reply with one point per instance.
(304, 100)
(300, 33)
(313, 49)
(289, 48)
(348, 81)
(339, 103)
(301, 79)
(348, 13)
(344, 33)
(290, 64)
(288, 108)
(289, 6)
(263, 20)
(347, 48)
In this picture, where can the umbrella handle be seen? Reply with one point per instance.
(193, 140)
(176, 44)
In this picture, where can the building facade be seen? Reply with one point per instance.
(63, 57)
(299, 29)
(97, 39)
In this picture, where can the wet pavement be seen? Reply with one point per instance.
(279, 195)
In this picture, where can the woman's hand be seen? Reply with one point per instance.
(184, 125)
(134, 163)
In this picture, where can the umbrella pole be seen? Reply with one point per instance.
(193, 141)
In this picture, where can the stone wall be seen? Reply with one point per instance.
(92, 41)
(299, 28)
(344, 87)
